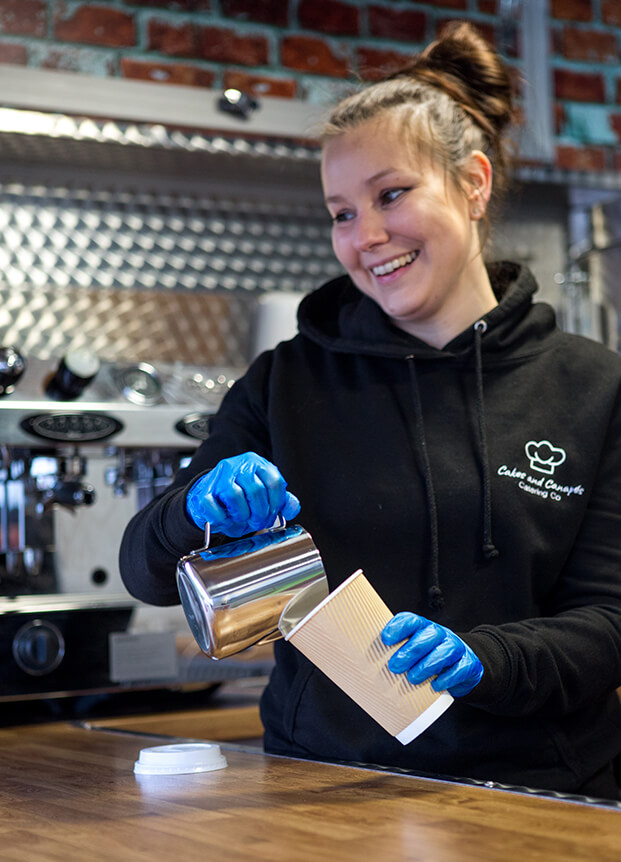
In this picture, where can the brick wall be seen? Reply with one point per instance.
(312, 49)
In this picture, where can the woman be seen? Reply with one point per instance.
(438, 431)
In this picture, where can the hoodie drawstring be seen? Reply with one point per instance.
(435, 596)
(434, 593)
(489, 549)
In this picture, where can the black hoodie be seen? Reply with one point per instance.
(478, 485)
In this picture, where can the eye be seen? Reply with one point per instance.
(342, 216)
(388, 196)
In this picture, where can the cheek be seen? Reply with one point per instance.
(342, 250)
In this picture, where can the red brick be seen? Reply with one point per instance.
(307, 54)
(448, 4)
(178, 41)
(94, 25)
(559, 115)
(16, 55)
(329, 16)
(615, 124)
(581, 158)
(489, 7)
(174, 5)
(589, 45)
(611, 12)
(619, 90)
(227, 46)
(23, 17)
(375, 63)
(259, 85)
(571, 10)
(617, 160)
(578, 86)
(274, 12)
(167, 73)
(402, 24)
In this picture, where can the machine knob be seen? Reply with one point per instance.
(75, 371)
(38, 647)
(12, 366)
(140, 384)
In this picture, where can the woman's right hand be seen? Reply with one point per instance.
(240, 495)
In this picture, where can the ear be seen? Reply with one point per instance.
(478, 172)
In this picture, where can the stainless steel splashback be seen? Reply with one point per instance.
(198, 328)
(143, 273)
(149, 240)
(93, 236)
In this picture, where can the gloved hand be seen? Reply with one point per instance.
(240, 495)
(431, 649)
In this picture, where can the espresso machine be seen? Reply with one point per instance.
(84, 444)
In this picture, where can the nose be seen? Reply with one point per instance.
(370, 230)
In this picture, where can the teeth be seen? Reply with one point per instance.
(392, 265)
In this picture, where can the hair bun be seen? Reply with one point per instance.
(462, 58)
(467, 68)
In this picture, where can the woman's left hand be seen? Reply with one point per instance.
(431, 650)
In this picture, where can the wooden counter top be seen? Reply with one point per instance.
(69, 793)
(232, 716)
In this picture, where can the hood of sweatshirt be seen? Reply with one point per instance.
(341, 318)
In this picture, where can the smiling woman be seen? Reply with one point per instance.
(410, 427)
(407, 179)
(405, 232)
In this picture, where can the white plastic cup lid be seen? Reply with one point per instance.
(179, 759)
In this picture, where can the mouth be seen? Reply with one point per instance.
(396, 263)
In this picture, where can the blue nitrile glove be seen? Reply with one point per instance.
(431, 649)
(240, 495)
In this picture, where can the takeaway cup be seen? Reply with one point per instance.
(341, 636)
(233, 595)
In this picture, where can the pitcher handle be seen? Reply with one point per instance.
(279, 523)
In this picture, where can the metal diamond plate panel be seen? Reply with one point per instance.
(136, 268)
(148, 275)
(201, 328)
(100, 238)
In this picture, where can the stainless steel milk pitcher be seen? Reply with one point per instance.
(234, 595)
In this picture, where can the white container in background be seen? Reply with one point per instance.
(275, 321)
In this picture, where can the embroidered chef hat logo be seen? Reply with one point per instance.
(543, 456)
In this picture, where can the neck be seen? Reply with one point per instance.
(470, 303)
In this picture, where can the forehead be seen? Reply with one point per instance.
(366, 145)
(372, 148)
(377, 132)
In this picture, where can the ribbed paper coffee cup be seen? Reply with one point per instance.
(341, 636)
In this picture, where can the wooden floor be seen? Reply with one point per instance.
(69, 794)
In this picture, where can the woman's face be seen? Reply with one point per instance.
(405, 232)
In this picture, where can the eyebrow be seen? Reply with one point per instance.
(370, 181)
